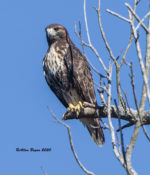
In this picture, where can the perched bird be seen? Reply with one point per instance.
(68, 75)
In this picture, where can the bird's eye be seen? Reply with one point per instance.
(56, 28)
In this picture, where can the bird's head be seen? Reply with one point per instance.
(55, 32)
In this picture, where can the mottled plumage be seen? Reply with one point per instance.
(68, 75)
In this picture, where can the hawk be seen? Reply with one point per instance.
(68, 75)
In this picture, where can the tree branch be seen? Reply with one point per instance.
(139, 54)
(92, 111)
(130, 148)
(137, 18)
(117, 15)
(103, 34)
(90, 45)
(44, 173)
(147, 66)
(71, 143)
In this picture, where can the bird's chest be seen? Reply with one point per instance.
(55, 61)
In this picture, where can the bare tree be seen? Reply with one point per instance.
(118, 107)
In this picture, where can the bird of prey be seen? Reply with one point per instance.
(68, 75)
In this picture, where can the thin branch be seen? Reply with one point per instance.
(103, 34)
(111, 55)
(125, 126)
(104, 88)
(86, 24)
(121, 136)
(135, 99)
(121, 100)
(146, 134)
(139, 53)
(117, 15)
(137, 17)
(112, 131)
(118, 67)
(83, 44)
(137, 2)
(138, 124)
(141, 21)
(71, 143)
(126, 99)
(79, 35)
(43, 171)
(105, 124)
(127, 49)
(130, 148)
(95, 70)
(147, 67)
(103, 101)
(133, 89)
(90, 45)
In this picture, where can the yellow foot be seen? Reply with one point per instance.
(76, 108)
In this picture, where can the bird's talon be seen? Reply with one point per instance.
(81, 104)
(76, 108)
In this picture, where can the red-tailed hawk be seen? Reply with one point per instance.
(69, 77)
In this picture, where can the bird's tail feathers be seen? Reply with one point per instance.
(95, 130)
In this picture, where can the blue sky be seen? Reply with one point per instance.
(25, 121)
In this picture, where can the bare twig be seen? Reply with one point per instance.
(93, 67)
(127, 49)
(133, 89)
(105, 124)
(103, 101)
(71, 143)
(141, 22)
(44, 173)
(112, 131)
(147, 67)
(103, 34)
(126, 99)
(89, 40)
(125, 126)
(118, 66)
(138, 123)
(146, 134)
(137, 18)
(121, 137)
(79, 35)
(135, 99)
(137, 2)
(117, 15)
(138, 49)
(130, 149)
(83, 44)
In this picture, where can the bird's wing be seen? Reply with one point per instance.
(81, 74)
